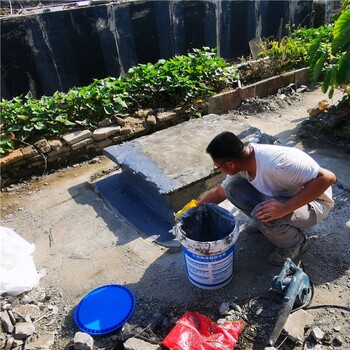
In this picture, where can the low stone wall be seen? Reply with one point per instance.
(83, 145)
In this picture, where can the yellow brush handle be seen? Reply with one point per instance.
(189, 205)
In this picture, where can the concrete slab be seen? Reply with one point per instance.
(154, 184)
(182, 159)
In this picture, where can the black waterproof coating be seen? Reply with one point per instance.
(207, 222)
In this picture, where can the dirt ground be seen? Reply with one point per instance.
(82, 245)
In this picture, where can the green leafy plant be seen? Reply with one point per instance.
(181, 80)
(293, 50)
(332, 60)
(280, 56)
(6, 143)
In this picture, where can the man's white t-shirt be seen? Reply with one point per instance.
(283, 171)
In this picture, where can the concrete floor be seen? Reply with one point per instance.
(83, 244)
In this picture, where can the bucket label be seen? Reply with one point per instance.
(209, 271)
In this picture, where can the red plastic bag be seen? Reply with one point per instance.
(194, 331)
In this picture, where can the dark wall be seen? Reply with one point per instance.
(54, 51)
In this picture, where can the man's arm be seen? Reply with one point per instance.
(215, 196)
(274, 209)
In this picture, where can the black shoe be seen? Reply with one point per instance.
(279, 256)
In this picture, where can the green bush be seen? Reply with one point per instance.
(331, 60)
(166, 84)
(293, 50)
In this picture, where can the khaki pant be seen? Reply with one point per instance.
(285, 232)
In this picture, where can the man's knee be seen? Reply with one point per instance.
(243, 195)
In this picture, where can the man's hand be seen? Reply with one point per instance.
(270, 210)
(273, 209)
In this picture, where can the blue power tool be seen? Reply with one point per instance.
(295, 286)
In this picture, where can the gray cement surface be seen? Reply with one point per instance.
(164, 171)
(83, 244)
(175, 157)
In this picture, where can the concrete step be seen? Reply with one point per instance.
(163, 171)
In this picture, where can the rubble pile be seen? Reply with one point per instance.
(31, 320)
(329, 123)
(285, 97)
(43, 320)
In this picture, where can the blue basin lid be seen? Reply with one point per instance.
(104, 310)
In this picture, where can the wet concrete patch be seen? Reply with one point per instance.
(138, 201)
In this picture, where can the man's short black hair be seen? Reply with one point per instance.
(226, 147)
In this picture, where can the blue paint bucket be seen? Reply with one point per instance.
(208, 234)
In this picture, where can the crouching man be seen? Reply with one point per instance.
(281, 188)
